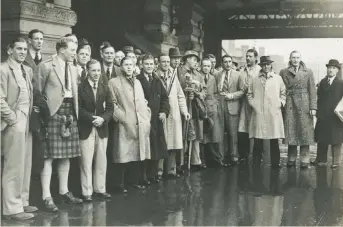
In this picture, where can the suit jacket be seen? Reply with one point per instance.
(10, 91)
(115, 72)
(236, 88)
(31, 63)
(90, 106)
(49, 81)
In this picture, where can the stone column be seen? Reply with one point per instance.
(21, 16)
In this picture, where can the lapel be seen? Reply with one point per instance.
(145, 84)
(89, 90)
(333, 84)
(100, 91)
(28, 81)
(220, 77)
(29, 60)
(57, 68)
(15, 70)
(231, 78)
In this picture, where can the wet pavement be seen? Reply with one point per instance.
(240, 195)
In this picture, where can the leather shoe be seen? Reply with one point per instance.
(173, 176)
(19, 217)
(315, 162)
(304, 165)
(87, 198)
(30, 209)
(276, 166)
(223, 164)
(50, 205)
(290, 164)
(145, 182)
(69, 198)
(104, 195)
(120, 189)
(321, 164)
(334, 166)
(139, 186)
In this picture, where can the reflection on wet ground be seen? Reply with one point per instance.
(240, 195)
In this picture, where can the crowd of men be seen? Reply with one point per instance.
(151, 116)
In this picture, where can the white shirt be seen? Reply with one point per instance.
(223, 78)
(33, 54)
(68, 93)
(331, 79)
(106, 67)
(91, 83)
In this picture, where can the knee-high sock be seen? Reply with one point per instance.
(46, 178)
(63, 173)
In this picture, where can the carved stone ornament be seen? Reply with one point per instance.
(41, 12)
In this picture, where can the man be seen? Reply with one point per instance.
(108, 69)
(175, 59)
(250, 70)
(231, 90)
(178, 106)
(212, 133)
(16, 140)
(329, 128)
(96, 110)
(190, 74)
(119, 55)
(34, 56)
(84, 52)
(158, 103)
(57, 81)
(213, 63)
(266, 95)
(128, 50)
(301, 106)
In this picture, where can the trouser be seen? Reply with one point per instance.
(130, 172)
(93, 147)
(212, 152)
(16, 146)
(274, 151)
(195, 155)
(153, 168)
(304, 153)
(322, 151)
(63, 166)
(243, 145)
(231, 125)
(171, 162)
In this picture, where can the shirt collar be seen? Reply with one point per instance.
(91, 82)
(33, 53)
(269, 75)
(107, 67)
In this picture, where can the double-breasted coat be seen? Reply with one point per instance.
(177, 103)
(158, 102)
(212, 105)
(329, 129)
(301, 97)
(130, 140)
(266, 95)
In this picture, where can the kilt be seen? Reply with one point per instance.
(58, 146)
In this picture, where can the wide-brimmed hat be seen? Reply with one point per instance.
(84, 42)
(174, 52)
(190, 53)
(128, 49)
(265, 60)
(334, 62)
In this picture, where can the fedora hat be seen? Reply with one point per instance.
(265, 60)
(190, 53)
(334, 62)
(174, 52)
(127, 49)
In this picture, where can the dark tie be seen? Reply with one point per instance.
(150, 78)
(83, 73)
(37, 60)
(108, 73)
(226, 83)
(66, 75)
(94, 86)
(328, 82)
(206, 79)
(23, 71)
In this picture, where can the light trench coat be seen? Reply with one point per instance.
(131, 140)
(173, 124)
(266, 101)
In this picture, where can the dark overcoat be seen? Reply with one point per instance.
(158, 102)
(329, 129)
(301, 97)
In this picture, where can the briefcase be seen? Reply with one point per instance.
(339, 110)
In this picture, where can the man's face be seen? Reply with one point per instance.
(18, 52)
(332, 71)
(69, 53)
(133, 57)
(94, 72)
(250, 58)
(36, 41)
(266, 68)
(227, 63)
(213, 63)
(83, 56)
(192, 62)
(119, 55)
(127, 67)
(206, 66)
(295, 59)
(148, 66)
(164, 63)
(108, 55)
(175, 62)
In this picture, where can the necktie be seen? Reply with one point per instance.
(206, 79)
(37, 60)
(94, 86)
(83, 73)
(226, 83)
(23, 71)
(328, 82)
(66, 75)
(108, 73)
(150, 78)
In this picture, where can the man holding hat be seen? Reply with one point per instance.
(329, 128)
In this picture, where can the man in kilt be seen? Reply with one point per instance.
(56, 79)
